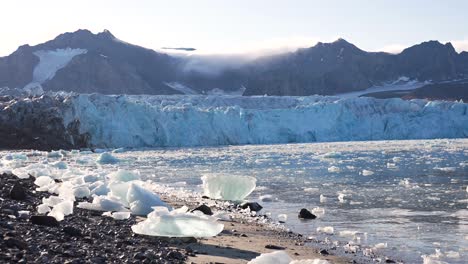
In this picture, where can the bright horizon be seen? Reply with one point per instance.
(219, 27)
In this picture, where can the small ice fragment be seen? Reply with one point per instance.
(228, 187)
(323, 199)
(142, 200)
(341, 198)
(178, 223)
(120, 215)
(119, 150)
(396, 159)
(43, 181)
(380, 246)
(347, 233)
(327, 230)
(23, 214)
(54, 154)
(318, 211)
(367, 172)
(124, 175)
(391, 165)
(334, 169)
(81, 192)
(276, 257)
(107, 158)
(266, 198)
(61, 165)
(282, 218)
(43, 209)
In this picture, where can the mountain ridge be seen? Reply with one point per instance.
(112, 66)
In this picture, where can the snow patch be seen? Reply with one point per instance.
(50, 61)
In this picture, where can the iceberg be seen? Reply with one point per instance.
(178, 223)
(107, 158)
(228, 187)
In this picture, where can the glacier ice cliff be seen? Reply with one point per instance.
(103, 121)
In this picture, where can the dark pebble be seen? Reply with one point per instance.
(204, 209)
(12, 242)
(306, 214)
(324, 252)
(254, 206)
(72, 231)
(275, 247)
(17, 192)
(44, 220)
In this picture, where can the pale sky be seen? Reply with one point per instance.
(222, 26)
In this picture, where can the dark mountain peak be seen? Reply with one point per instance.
(432, 46)
(106, 34)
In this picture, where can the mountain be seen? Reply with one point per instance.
(338, 67)
(84, 62)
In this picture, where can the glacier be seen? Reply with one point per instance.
(139, 121)
(178, 121)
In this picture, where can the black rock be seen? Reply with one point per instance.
(44, 220)
(270, 246)
(254, 206)
(205, 197)
(139, 256)
(72, 231)
(390, 261)
(18, 192)
(204, 209)
(15, 242)
(324, 252)
(175, 255)
(306, 214)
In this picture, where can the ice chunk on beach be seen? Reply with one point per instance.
(142, 200)
(124, 176)
(281, 257)
(43, 181)
(282, 218)
(120, 215)
(81, 192)
(276, 257)
(43, 209)
(228, 187)
(103, 203)
(178, 223)
(62, 209)
(107, 158)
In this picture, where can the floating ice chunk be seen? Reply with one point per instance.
(107, 158)
(266, 198)
(391, 165)
(142, 200)
(60, 165)
(347, 233)
(380, 246)
(396, 159)
(225, 187)
(60, 210)
(318, 211)
(119, 150)
(334, 169)
(178, 223)
(445, 169)
(124, 176)
(341, 198)
(326, 229)
(323, 199)
(282, 218)
(120, 215)
(54, 154)
(332, 155)
(311, 189)
(276, 257)
(367, 172)
(43, 209)
(103, 203)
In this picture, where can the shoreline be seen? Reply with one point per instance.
(87, 236)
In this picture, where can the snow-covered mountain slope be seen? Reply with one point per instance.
(157, 121)
(50, 61)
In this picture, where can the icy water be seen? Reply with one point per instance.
(402, 199)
